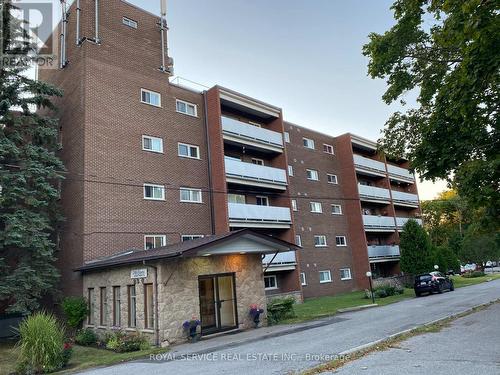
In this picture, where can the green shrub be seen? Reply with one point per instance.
(86, 337)
(121, 342)
(279, 309)
(473, 274)
(76, 310)
(383, 291)
(41, 345)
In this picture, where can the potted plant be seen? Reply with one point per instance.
(255, 312)
(191, 326)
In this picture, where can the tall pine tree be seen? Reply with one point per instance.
(29, 174)
(416, 251)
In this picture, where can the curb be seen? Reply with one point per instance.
(357, 308)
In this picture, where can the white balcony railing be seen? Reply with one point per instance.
(254, 213)
(401, 221)
(405, 198)
(400, 173)
(383, 251)
(251, 132)
(372, 192)
(239, 170)
(378, 222)
(369, 164)
(281, 259)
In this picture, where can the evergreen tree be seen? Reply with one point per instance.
(416, 251)
(29, 174)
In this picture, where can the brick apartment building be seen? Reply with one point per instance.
(208, 191)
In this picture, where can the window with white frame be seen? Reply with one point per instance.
(316, 207)
(130, 23)
(303, 279)
(150, 97)
(186, 107)
(340, 241)
(308, 143)
(236, 198)
(189, 237)
(336, 209)
(262, 200)
(332, 178)
(190, 195)
(298, 240)
(325, 277)
(154, 192)
(320, 240)
(328, 149)
(188, 151)
(257, 161)
(270, 282)
(152, 241)
(294, 205)
(345, 274)
(153, 144)
(286, 136)
(312, 174)
(290, 170)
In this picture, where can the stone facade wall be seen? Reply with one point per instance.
(178, 295)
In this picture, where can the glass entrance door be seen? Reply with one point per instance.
(217, 303)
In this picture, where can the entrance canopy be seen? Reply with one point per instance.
(243, 241)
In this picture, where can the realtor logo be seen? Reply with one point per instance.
(31, 25)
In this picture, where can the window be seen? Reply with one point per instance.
(290, 170)
(262, 201)
(294, 205)
(325, 277)
(312, 174)
(186, 107)
(332, 178)
(190, 195)
(298, 240)
(151, 98)
(316, 207)
(336, 209)
(328, 149)
(308, 143)
(286, 137)
(117, 305)
(270, 282)
(132, 306)
(340, 241)
(152, 241)
(188, 151)
(152, 144)
(154, 192)
(90, 298)
(236, 198)
(345, 274)
(320, 240)
(130, 23)
(149, 316)
(303, 279)
(103, 307)
(257, 161)
(253, 123)
(189, 237)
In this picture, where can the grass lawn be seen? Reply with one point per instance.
(82, 358)
(460, 281)
(314, 308)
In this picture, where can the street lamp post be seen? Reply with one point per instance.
(369, 275)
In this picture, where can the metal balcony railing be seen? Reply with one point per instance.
(378, 222)
(407, 198)
(383, 251)
(401, 173)
(251, 132)
(369, 164)
(281, 259)
(255, 213)
(253, 172)
(372, 192)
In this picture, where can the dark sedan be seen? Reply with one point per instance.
(432, 282)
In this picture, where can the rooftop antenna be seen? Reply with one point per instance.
(163, 29)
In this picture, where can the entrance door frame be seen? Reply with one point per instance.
(215, 277)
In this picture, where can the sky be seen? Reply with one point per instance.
(304, 56)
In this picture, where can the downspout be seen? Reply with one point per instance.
(209, 162)
(155, 302)
(97, 22)
(78, 22)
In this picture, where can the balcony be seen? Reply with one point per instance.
(282, 262)
(383, 252)
(251, 136)
(374, 223)
(242, 173)
(400, 174)
(254, 216)
(400, 198)
(401, 221)
(369, 166)
(373, 194)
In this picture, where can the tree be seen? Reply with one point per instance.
(416, 252)
(445, 259)
(448, 53)
(479, 247)
(29, 173)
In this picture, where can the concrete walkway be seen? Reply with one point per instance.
(292, 348)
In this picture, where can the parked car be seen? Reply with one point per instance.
(468, 268)
(432, 282)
